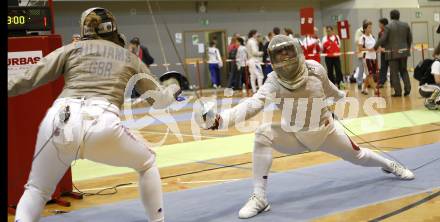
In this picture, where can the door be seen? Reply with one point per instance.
(196, 43)
(194, 50)
(420, 38)
(219, 37)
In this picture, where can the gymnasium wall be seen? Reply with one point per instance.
(232, 16)
(235, 16)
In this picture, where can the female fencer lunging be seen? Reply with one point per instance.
(301, 88)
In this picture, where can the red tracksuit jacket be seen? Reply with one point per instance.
(331, 47)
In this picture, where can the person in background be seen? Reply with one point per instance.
(242, 58)
(312, 46)
(232, 67)
(430, 89)
(366, 47)
(276, 31)
(236, 36)
(267, 68)
(360, 60)
(255, 58)
(214, 39)
(76, 37)
(331, 46)
(397, 40)
(383, 62)
(295, 37)
(427, 72)
(141, 51)
(233, 44)
(240, 61)
(435, 68)
(215, 63)
(289, 32)
(261, 41)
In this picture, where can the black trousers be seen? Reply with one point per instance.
(235, 77)
(399, 66)
(334, 63)
(383, 69)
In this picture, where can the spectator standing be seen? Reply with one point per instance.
(241, 58)
(397, 40)
(312, 46)
(215, 63)
(383, 62)
(267, 68)
(289, 32)
(331, 46)
(232, 66)
(366, 47)
(360, 60)
(141, 51)
(255, 58)
(233, 44)
(276, 31)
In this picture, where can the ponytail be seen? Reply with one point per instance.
(92, 21)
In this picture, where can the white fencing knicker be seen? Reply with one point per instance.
(256, 74)
(92, 131)
(330, 138)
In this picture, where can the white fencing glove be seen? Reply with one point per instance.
(207, 117)
(163, 97)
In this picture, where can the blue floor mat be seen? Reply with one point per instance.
(297, 195)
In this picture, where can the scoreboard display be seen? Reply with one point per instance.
(34, 18)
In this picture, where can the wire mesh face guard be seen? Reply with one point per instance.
(106, 27)
(283, 53)
(287, 61)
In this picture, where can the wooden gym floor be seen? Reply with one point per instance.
(193, 175)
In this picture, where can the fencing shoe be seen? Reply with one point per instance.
(254, 206)
(400, 171)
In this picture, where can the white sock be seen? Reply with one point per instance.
(30, 206)
(372, 159)
(150, 188)
(262, 161)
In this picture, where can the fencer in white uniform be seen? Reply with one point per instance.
(255, 59)
(297, 83)
(84, 121)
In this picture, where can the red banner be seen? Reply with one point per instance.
(307, 21)
(343, 29)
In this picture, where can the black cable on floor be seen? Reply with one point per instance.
(407, 207)
(425, 164)
(221, 166)
(400, 136)
(102, 191)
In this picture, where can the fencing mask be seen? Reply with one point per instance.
(288, 61)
